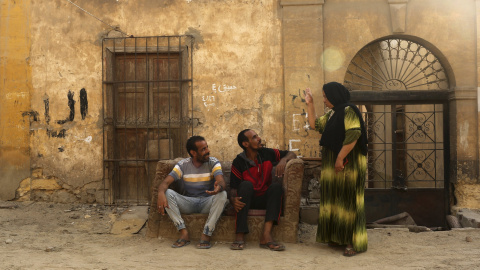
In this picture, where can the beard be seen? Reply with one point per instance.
(203, 158)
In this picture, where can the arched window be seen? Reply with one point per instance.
(395, 64)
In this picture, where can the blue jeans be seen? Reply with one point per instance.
(179, 204)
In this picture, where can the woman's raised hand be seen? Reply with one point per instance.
(308, 96)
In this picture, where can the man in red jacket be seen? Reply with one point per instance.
(252, 186)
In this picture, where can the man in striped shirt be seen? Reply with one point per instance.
(252, 186)
(203, 191)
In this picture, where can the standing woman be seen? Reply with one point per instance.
(341, 219)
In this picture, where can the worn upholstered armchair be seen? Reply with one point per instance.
(286, 231)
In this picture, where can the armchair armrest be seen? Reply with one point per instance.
(292, 184)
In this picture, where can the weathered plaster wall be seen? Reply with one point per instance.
(51, 103)
(238, 43)
(303, 51)
(15, 91)
(442, 26)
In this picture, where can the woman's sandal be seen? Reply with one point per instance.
(349, 252)
(237, 245)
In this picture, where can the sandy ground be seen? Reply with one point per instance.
(58, 236)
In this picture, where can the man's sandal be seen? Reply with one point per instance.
(203, 244)
(180, 243)
(273, 246)
(237, 245)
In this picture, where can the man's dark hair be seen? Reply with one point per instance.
(191, 143)
(242, 138)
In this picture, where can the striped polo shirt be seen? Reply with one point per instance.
(196, 181)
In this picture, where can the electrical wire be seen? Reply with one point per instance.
(115, 28)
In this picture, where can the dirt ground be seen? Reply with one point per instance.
(58, 236)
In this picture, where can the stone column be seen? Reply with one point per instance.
(302, 51)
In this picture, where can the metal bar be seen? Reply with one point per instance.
(367, 62)
(362, 77)
(146, 81)
(191, 78)
(370, 86)
(394, 140)
(180, 84)
(446, 156)
(390, 57)
(435, 139)
(404, 57)
(428, 83)
(418, 65)
(125, 113)
(103, 116)
(365, 71)
(113, 188)
(410, 63)
(402, 96)
(135, 180)
(147, 96)
(376, 62)
(147, 37)
(156, 70)
(383, 61)
(169, 130)
(397, 58)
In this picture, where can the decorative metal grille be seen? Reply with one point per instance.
(406, 147)
(395, 64)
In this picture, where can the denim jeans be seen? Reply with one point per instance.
(179, 204)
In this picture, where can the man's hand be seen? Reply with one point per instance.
(162, 203)
(217, 188)
(237, 204)
(280, 169)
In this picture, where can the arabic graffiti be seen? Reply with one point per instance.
(223, 88)
(208, 101)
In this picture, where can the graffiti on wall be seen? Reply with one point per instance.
(209, 100)
(302, 141)
(34, 116)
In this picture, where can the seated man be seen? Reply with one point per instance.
(252, 186)
(204, 191)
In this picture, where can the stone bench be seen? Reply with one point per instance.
(286, 231)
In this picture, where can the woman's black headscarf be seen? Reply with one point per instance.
(334, 132)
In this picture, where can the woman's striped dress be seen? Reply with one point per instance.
(342, 211)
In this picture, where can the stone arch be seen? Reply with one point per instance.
(399, 63)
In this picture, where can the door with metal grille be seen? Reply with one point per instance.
(147, 83)
(401, 88)
(408, 155)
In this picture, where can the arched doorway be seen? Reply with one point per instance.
(402, 88)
